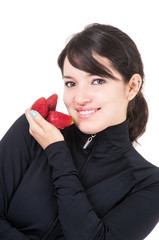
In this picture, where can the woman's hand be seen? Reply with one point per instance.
(44, 132)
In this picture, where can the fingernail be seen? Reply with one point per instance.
(33, 113)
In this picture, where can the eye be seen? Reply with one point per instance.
(70, 84)
(98, 81)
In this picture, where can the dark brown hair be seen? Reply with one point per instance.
(121, 51)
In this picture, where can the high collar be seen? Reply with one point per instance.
(112, 139)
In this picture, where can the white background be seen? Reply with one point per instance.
(32, 34)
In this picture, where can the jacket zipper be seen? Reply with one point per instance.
(89, 140)
(83, 168)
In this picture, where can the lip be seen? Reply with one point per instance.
(84, 113)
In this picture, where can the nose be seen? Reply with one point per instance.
(82, 97)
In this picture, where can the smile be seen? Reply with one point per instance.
(83, 114)
(86, 112)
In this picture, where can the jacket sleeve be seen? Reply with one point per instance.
(14, 159)
(132, 219)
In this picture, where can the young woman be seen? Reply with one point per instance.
(86, 182)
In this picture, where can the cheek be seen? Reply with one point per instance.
(115, 99)
(120, 103)
(67, 99)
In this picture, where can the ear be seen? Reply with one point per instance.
(134, 86)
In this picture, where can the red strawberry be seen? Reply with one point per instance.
(40, 106)
(60, 120)
(52, 102)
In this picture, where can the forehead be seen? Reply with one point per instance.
(104, 62)
(69, 70)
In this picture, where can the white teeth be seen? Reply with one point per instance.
(87, 112)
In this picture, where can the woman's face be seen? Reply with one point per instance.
(95, 102)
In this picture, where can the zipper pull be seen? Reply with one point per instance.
(89, 140)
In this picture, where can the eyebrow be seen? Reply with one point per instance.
(68, 77)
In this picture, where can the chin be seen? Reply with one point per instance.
(84, 128)
(88, 129)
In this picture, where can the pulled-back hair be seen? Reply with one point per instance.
(121, 51)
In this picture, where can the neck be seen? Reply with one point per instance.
(111, 139)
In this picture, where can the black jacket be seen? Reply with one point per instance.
(107, 191)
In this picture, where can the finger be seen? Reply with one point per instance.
(35, 128)
(39, 119)
(27, 114)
